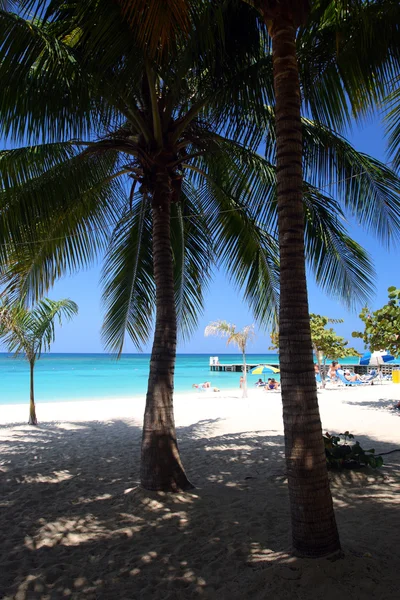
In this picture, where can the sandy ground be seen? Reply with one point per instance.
(75, 524)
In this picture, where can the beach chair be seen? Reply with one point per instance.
(371, 376)
(342, 379)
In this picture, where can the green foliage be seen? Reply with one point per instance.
(382, 327)
(340, 454)
(393, 123)
(98, 120)
(32, 331)
(326, 341)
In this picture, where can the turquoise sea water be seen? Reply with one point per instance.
(60, 377)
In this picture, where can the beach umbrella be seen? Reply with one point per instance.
(376, 359)
(263, 369)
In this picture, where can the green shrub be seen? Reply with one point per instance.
(340, 454)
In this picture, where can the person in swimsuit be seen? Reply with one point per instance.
(272, 384)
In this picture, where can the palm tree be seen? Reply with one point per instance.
(135, 160)
(238, 338)
(119, 118)
(32, 332)
(132, 161)
(314, 530)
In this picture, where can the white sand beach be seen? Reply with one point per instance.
(75, 524)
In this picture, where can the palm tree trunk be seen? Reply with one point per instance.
(32, 408)
(314, 531)
(244, 376)
(161, 467)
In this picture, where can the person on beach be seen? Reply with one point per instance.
(332, 370)
(202, 386)
(272, 384)
(351, 376)
(241, 381)
(260, 383)
(316, 369)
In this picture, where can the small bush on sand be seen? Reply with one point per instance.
(341, 454)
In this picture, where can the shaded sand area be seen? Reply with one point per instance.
(74, 523)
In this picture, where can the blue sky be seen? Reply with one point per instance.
(222, 300)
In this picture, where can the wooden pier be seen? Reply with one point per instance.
(232, 368)
(385, 369)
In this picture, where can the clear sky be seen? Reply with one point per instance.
(222, 300)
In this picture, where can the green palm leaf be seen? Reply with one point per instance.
(57, 222)
(193, 252)
(56, 103)
(393, 124)
(127, 277)
(367, 188)
(340, 266)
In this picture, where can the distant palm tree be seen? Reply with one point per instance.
(238, 338)
(30, 332)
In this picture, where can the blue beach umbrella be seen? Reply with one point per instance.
(376, 359)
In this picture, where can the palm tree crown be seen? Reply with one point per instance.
(238, 338)
(31, 332)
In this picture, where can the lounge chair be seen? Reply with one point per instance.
(318, 379)
(371, 375)
(342, 379)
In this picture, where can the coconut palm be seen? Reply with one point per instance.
(136, 161)
(31, 332)
(330, 85)
(132, 163)
(314, 530)
(238, 338)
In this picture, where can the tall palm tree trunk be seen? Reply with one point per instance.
(161, 466)
(32, 408)
(314, 530)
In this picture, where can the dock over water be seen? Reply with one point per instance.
(232, 368)
(216, 366)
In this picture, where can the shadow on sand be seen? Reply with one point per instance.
(75, 524)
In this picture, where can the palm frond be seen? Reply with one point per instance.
(348, 52)
(56, 222)
(43, 317)
(220, 328)
(238, 189)
(224, 329)
(157, 23)
(127, 278)
(192, 249)
(340, 265)
(32, 331)
(393, 124)
(368, 189)
(45, 94)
